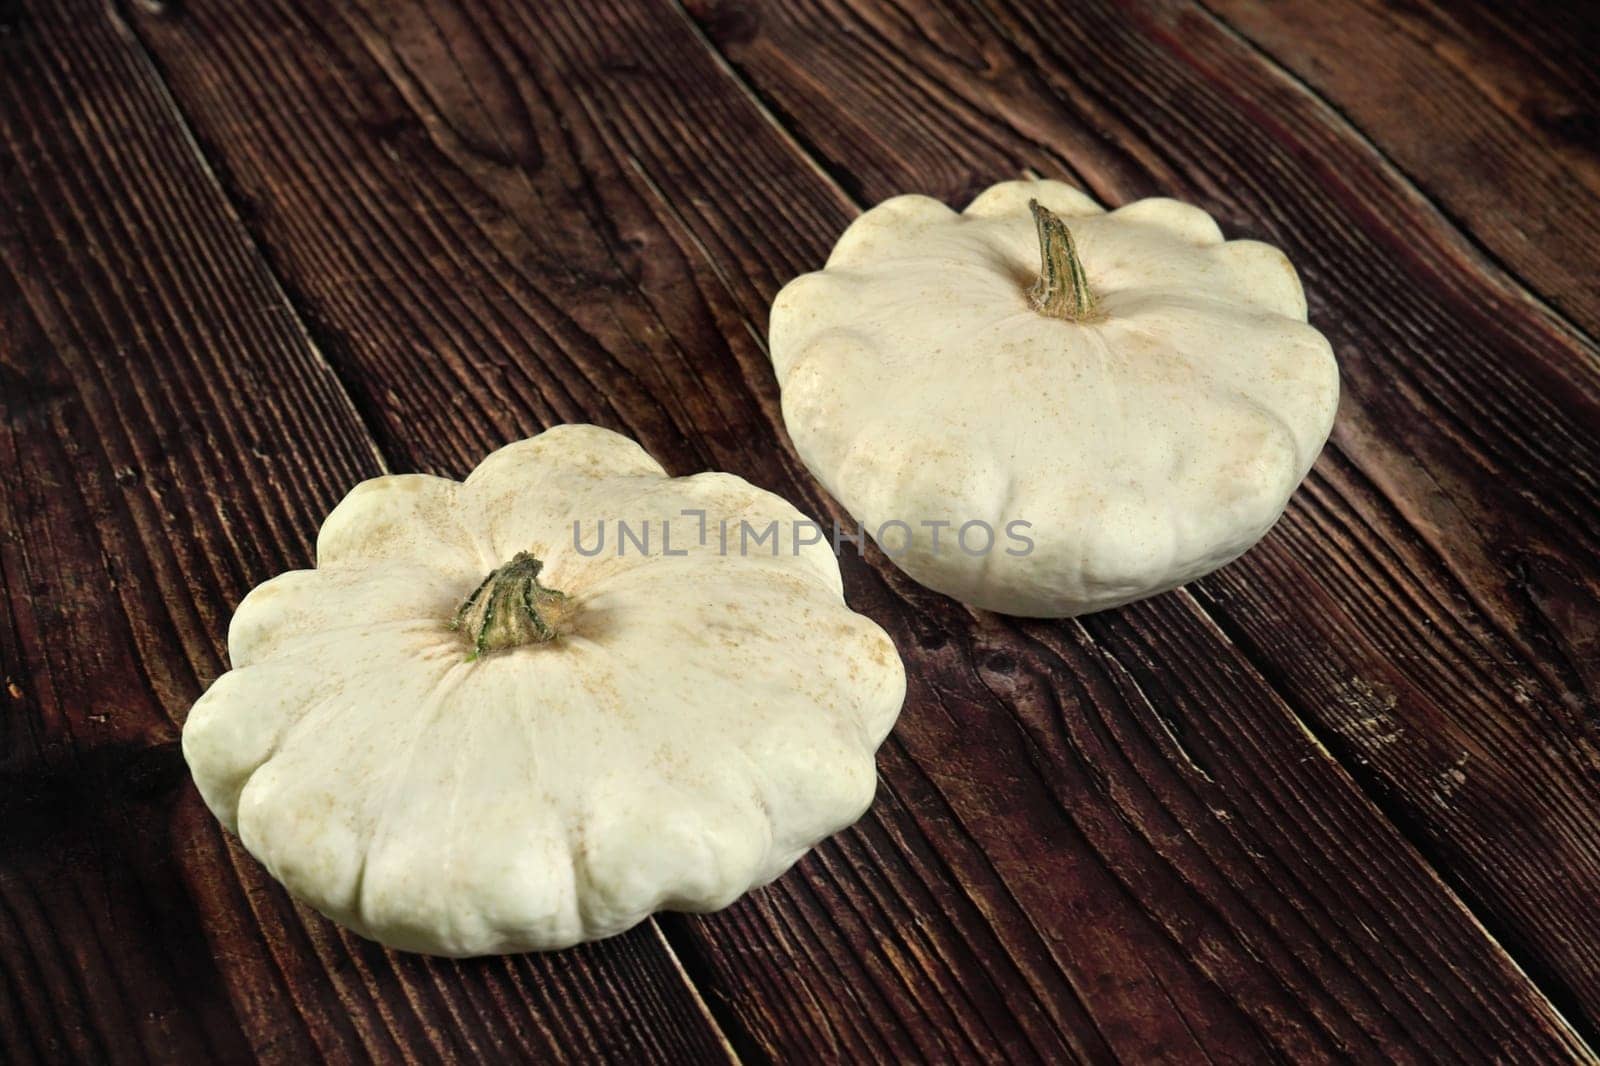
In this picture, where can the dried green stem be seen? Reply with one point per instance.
(510, 608)
(1062, 290)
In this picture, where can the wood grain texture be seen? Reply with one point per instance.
(495, 219)
(1493, 126)
(1430, 598)
(167, 438)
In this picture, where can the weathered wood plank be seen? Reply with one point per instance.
(168, 437)
(1430, 598)
(585, 217)
(1504, 139)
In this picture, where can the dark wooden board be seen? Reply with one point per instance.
(406, 233)
(1113, 837)
(1425, 603)
(1497, 122)
(167, 438)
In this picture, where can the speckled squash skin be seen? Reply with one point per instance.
(700, 719)
(1142, 447)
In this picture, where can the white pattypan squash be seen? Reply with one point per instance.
(1112, 404)
(464, 766)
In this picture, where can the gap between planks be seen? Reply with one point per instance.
(158, 82)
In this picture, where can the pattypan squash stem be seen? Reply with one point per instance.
(1062, 290)
(510, 608)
